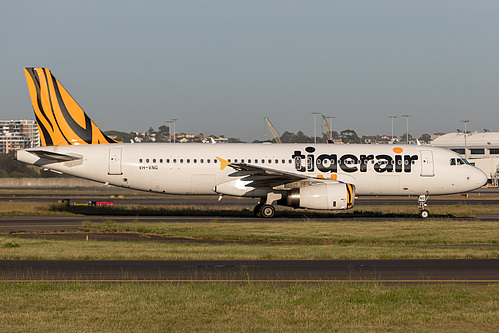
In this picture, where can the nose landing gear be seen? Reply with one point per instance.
(423, 213)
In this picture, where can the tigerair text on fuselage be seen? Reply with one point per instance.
(308, 162)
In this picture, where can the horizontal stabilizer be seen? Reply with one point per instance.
(54, 156)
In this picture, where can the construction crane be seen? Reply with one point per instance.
(273, 131)
(327, 130)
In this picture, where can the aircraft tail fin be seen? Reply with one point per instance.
(61, 121)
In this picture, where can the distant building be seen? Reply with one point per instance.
(222, 140)
(480, 148)
(378, 139)
(18, 134)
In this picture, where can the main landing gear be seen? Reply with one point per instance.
(264, 210)
(423, 213)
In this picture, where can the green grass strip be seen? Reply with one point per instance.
(247, 308)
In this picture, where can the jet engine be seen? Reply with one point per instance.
(321, 196)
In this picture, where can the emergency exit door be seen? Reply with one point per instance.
(115, 161)
(427, 167)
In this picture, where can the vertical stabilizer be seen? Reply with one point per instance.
(61, 121)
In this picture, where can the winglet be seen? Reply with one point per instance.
(223, 163)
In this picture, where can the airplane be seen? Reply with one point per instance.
(309, 176)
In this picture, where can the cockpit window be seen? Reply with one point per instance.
(458, 161)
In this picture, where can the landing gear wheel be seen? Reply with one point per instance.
(256, 210)
(267, 211)
(424, 214)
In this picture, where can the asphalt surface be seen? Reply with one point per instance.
(484, 271)
(42, 223)
(128, 197)
(212, 201)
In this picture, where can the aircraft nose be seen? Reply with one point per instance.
(482, 178)
(478, 178)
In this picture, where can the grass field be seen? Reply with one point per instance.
(248, 308)
(404, 239)
(369, 307)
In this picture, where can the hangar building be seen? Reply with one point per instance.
(480, 149)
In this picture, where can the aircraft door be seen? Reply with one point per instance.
(427, 168)
(115, 161)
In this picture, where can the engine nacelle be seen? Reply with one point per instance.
(322, 196)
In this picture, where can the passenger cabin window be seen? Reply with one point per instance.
(140, 160)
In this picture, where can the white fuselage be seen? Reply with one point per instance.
(195, 169)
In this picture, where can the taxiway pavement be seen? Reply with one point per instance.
(50, 223)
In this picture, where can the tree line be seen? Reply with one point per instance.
(11, 168)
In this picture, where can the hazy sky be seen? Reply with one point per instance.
(221, 66)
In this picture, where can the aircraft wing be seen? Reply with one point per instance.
(54, 156)
(260, 176)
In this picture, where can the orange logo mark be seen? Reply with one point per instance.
(397, 150)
